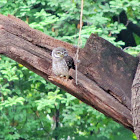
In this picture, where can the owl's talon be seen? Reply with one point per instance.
(64, 77)
(67, 77)
(51, 77)
(61, 76)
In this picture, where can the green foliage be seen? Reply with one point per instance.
(32, 108)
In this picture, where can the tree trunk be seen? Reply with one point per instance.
(136, 102)
(105, 72)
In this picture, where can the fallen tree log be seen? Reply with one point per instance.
(105, 72)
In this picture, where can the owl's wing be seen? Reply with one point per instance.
(70, 62)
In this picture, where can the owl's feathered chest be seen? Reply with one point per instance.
(60, 67)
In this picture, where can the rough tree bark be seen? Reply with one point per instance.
(136, 102)
(105, 72)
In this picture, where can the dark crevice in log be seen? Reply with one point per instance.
(33, 49)
(109, 92)
(44, 48)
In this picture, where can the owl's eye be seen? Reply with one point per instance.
(58, 52)
(65, 53)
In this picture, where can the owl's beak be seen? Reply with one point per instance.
(62, 55)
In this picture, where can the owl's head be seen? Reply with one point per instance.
(59, 52)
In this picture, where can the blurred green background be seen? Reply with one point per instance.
(34, 109)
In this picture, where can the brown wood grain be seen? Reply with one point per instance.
(136, 102)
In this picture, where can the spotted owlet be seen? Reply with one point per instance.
(61, 62)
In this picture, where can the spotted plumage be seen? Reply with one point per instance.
(61, 62)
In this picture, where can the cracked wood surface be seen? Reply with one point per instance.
(105, 73)
(136, 102)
